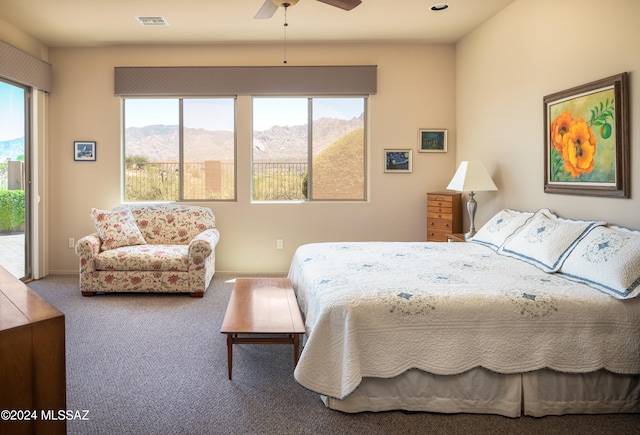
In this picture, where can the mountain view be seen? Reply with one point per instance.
(277, 144)
(11, 149)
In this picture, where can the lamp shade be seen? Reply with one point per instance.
(471, 177)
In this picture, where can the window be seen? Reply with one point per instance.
(14, 178)
(309, 148)
(179, 149)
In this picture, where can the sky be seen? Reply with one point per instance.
(11, 112)
(293, 111)
(217, 114)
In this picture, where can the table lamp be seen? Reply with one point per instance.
(471, 177)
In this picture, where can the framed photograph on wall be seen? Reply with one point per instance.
(397, 160)
(432, 140)
(84, 151)
(586, 139)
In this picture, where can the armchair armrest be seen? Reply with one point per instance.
(204, 244)
(87, 248)
(202, 260)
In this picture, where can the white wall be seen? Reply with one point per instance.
(416, 89)
(16, 37)
(504, 69)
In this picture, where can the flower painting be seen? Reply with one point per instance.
(586, 143)
(574, 140)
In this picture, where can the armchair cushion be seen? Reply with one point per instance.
(116, 228)
(145, 257)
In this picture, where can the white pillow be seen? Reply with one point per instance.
(546, 240)
(607, 259)
(506, 222)
(116, 228)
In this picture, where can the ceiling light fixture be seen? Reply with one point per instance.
(285, 5)
(439, 7)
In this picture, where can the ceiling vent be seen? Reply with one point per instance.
(152, 21)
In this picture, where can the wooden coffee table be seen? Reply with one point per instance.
(262, 311)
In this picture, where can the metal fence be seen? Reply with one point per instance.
(279, 181)
(213, 180)
(4, 177)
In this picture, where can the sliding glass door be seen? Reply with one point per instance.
(14, 179)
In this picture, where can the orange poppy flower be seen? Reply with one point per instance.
(559, 127)
(579, 148)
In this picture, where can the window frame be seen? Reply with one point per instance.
(181, 127)
(309, 160)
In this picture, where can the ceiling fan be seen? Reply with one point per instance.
(271, 6)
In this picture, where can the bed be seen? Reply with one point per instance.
(537, 315)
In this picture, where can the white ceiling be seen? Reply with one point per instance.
(76, 23)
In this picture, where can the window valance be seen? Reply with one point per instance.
(23, 68)
(267, 80)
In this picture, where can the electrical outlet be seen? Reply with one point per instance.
(72, 243)
(279, 244)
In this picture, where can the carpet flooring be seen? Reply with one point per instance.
(157, 364)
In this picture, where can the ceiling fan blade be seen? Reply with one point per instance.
(347, 5)
(266, 11)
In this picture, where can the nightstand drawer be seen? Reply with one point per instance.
(436, 204)
(445, 214)
(436, 236)
(440, 197)
(439, 207)
(440, 224)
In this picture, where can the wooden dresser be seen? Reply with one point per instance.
(32, 361)
(444, 215)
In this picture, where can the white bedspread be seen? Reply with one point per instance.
(377, 309)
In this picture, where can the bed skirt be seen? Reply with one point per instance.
(481, 391)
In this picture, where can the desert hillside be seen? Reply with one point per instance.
(280, 143)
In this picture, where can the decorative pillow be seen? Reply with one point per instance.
(502, 225)
(116, 228)
(546, 240)
(607, 259)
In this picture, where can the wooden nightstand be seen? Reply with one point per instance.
(444, 215)
(457, 237)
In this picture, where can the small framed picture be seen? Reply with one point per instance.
(432, 140)
(84, 151)
(397, 161)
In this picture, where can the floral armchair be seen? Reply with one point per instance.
(149, 248)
